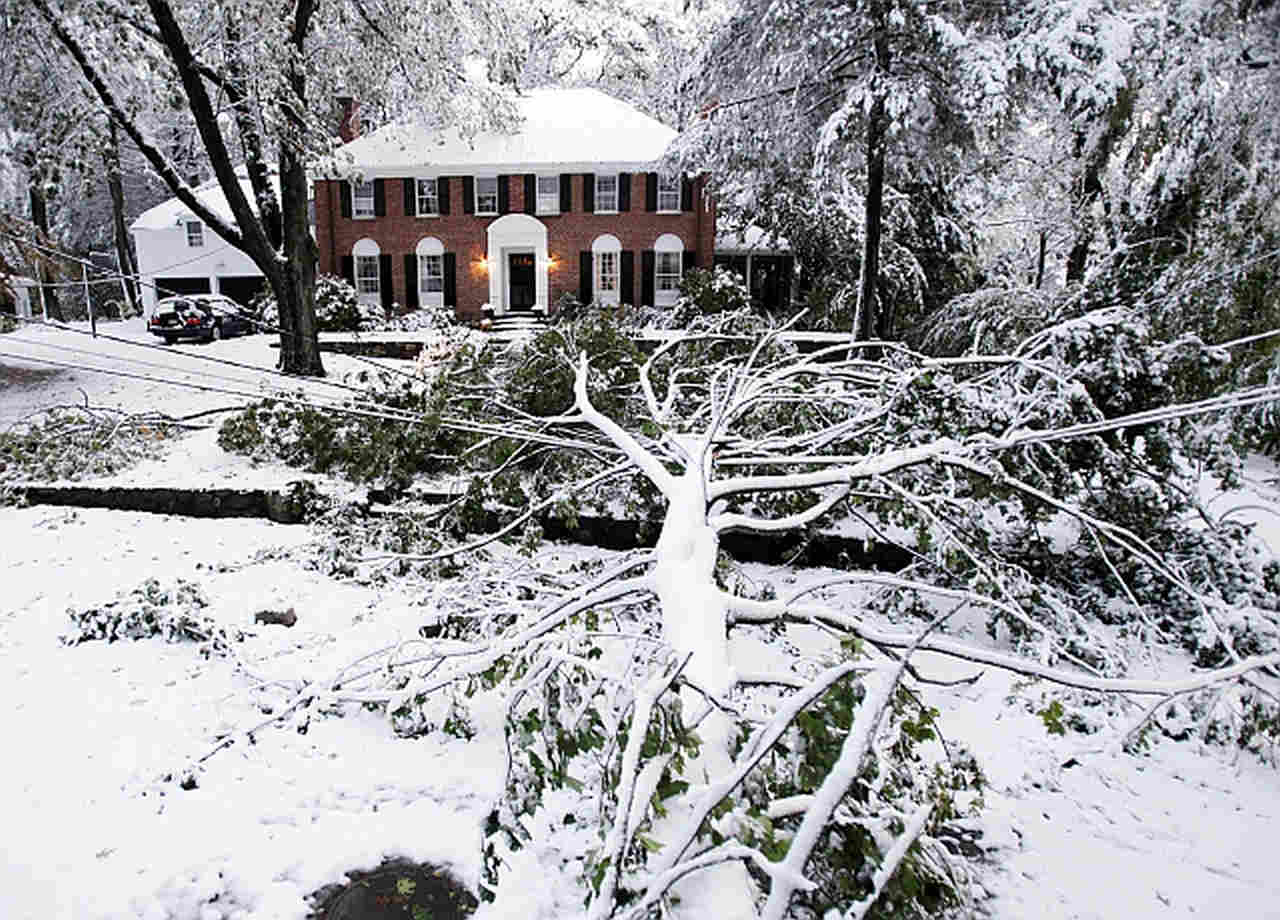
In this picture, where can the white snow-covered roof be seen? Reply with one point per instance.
(168, 214)
(562, 130)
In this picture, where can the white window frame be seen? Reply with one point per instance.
(195, 234)
(431, 275)
(477, 209)
(666, 284)
(606, 264)
(368, 282)
(368, 285)
(432, 198)
(608, 281)
(669, 186)
(362, 201)
(430, 252)
(600, 198)
(547, 202)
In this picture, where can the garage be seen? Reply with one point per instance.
(240, 288)
(167, 287)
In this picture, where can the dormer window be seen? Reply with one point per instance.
(195, 234)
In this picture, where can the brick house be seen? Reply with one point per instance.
(571, 204)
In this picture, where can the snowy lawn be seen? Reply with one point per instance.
(1071, 828)
(1177, 832)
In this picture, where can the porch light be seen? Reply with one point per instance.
(482, 265)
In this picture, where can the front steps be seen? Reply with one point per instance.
(513, 327)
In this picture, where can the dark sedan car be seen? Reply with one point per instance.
(199, 316)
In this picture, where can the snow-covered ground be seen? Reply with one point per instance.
(1178, 832)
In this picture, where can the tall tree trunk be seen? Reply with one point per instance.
(299, 343)
(870, 321)
(124, 256)
(40, 217)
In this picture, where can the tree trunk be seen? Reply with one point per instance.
(869, 320)
(296, 295)
(299, 345)
(1044, 245)
(40, 217)
(124, 256)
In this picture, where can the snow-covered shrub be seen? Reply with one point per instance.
(152, 610)
(338, 308)
(7, 323)
(72, 443)
(541, 377)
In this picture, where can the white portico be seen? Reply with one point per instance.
(518, 263)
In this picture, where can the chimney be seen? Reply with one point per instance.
(349, 123)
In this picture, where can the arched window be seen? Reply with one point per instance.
(367, 278)
(606, 257)
(668, 255)
(430, 254)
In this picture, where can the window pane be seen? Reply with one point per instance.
(195, 233)
(427, 203)
(367, 274)
(487, 195)
(606, 193)
(362, 199)
(607, 272)
(548, 194)
(431, 274)
(667, 275)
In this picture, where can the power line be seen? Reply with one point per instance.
(451, 422)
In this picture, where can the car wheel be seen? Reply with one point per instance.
(216, 333)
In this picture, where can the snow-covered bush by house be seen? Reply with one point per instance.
(338, 308)
(153, 610)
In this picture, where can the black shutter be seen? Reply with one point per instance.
(646, 277)
(530, 194)
(349, 269)
(688, 260)
(566, 193)
(651, 191)
(624, 191)
(468, 194)
(379, 197)
(686, 194)
(588, 192)
(410, 197)
(411, 281)
(628, 293)
(504, 194)
(346, 199)
(450, 279)
(384, 280)
(442, 195)
(585, 274)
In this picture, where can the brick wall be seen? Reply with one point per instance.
(568, 235)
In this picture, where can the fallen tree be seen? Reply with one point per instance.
(819, 786)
